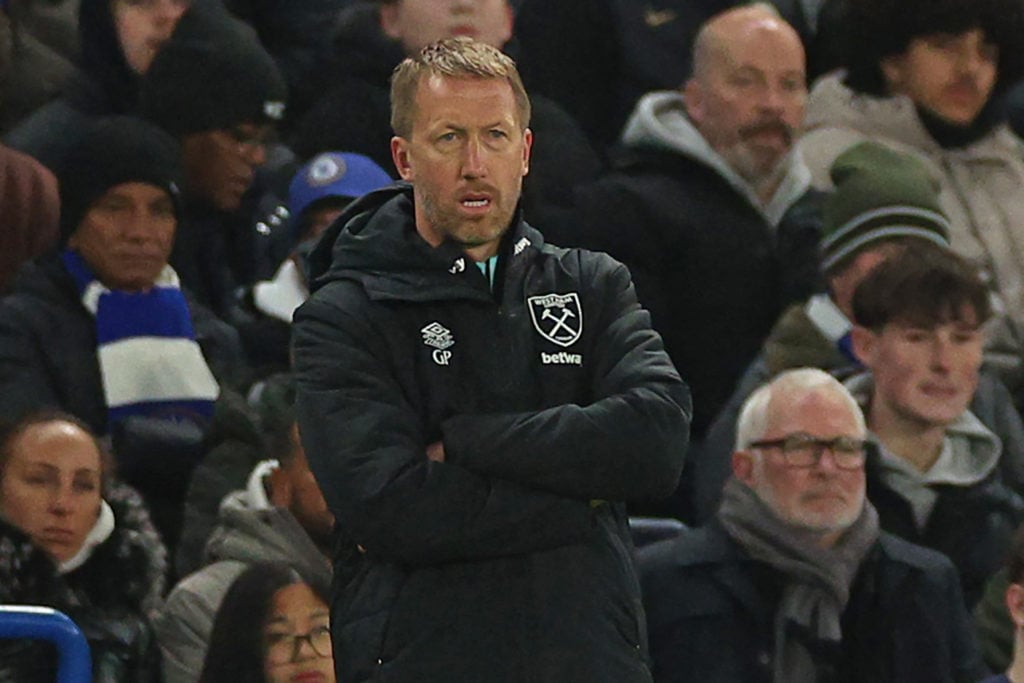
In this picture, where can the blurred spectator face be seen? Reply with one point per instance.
(126, 235)
(822, 497)
(50, 486)
(143, 26)
(952, 76)
(418, 23)
(466, 157)
(748, 91)
(923, 376)
(319, 218)
(297, 638)
(220, 164)
(307, 503)
(843, 282)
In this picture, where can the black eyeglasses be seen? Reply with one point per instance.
(804, 450)
(283, 648)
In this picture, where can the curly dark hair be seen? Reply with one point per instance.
(875, 29)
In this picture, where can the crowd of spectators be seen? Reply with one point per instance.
(828, 184)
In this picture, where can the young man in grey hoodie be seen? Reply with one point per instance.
(936, 474)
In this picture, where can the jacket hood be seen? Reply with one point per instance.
(249, 533)
(659, 120)
(832, 104)
(374, 242)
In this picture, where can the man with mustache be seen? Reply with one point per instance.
(937, 475)
(707, 204)
(930, 83)
(793, 581)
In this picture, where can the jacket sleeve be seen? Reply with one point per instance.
(627, 443)
(25, 384)
(184, 622)
(366, 446)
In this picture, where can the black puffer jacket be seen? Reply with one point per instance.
(711, 269)
(502, 563)
(109, 597)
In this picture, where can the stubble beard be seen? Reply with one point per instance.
(468, 233)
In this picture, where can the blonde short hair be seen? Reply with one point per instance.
(459, 57)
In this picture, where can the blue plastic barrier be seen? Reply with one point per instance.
(74, 664)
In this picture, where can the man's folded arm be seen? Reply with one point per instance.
(367, 450)
(628, 443)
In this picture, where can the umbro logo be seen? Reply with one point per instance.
(437, 335)
(458, 266)
(440, 338)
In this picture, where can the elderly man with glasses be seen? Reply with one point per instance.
(793, 580)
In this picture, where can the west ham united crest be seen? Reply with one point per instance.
(557, 317)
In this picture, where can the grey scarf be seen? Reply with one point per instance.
(819, 578)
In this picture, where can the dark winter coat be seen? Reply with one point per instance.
(710, 611)
(972, 525)
(509, 561)
(109, 597)
(709, 267)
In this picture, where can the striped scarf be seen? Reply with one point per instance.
(149, 360)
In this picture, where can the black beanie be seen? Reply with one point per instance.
(212, 74)
(112, 151)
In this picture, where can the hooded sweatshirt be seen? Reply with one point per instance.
(250, 530)
(660, 120)
(962, 506)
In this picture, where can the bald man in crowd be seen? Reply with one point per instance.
(708, 205)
